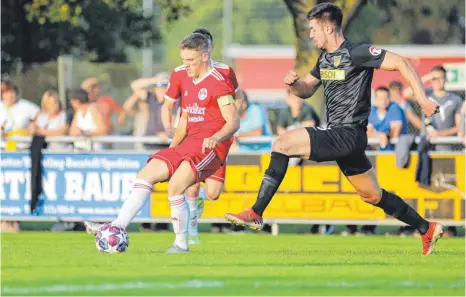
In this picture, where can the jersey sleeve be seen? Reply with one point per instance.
(368, 56)
(223, 88)
(233, 79)
(174, 87)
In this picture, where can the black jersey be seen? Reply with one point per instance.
(347, 76)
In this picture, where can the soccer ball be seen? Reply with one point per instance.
(112, 239)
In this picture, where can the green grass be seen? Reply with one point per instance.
(40, 263)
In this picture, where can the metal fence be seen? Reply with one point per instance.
(132, 140)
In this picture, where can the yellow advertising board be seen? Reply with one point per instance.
(319, 191)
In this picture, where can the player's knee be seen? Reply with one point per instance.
(282, 145)
(174, 189)
(193, 191)
(213, 194)
(370, 196)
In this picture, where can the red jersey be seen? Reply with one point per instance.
(174, 90)
(200, 102)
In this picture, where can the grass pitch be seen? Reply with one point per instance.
(41, 263)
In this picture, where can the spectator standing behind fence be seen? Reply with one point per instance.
(386, 120)
(297, 114)
(396, 95)
(106, 105)
(154, 99)
(87, 120)
(15, 114)
(253, 123)
(445, 123)
(52, 120)
(148, 117)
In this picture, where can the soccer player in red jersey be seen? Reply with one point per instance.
(210, 121)
(214, 184)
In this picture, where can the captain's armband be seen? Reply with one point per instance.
(225, 100)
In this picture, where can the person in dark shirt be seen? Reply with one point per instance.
(345, 69)
(297, 114)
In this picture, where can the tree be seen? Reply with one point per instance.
(37, 31)
(306, 53)
(425, 22)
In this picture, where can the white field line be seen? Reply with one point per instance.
(199, 284)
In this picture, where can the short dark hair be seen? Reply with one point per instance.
(206, 33)
(327, 11)
(78, 94)
(195, 41)
(382, 88)
(8, 85)
(395, 84)
(439, 68)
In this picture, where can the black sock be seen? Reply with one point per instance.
(397, 208)
(272, 179)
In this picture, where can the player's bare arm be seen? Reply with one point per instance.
(180, 132)
(231, 117)
(393, 61)
(303, 88)
(167, 112)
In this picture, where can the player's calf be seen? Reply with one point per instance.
(183, 178)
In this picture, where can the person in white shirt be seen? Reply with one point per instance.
(15, 113)
(52, 120)
(87, 120)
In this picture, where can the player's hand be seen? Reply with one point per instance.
(291, 77)
(209, 143)
(430, 107)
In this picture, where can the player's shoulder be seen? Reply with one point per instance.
(357, 49)
(218, 81)
(220, 65)
(224, 69)
(216, 76)
(179, 71)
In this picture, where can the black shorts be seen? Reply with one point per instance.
(345, 145)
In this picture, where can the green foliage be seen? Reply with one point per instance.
(254, 22)
(37, 31)
(410, 22)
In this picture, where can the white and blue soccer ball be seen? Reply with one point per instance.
(112, 239)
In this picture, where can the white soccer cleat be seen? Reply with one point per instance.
(194, 239)
(175, 249)
(92, 228)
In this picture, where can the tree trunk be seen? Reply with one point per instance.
(306, 52)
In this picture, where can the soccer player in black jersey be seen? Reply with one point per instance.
(345, 69)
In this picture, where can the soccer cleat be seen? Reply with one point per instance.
(194, 239)
(92, 228)
(175, 249)
(430, 238)
(247, 218)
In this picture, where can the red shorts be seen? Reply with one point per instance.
(204, 165)
(219, 175)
